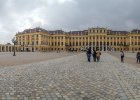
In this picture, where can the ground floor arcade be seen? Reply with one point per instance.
(44, 48)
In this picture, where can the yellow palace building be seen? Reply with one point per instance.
(38, 39)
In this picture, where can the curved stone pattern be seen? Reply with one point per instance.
(71, 78)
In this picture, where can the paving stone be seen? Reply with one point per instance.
(71, 78)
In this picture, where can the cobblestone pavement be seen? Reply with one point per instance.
(129, 58)
(71, 78)
(7, 58)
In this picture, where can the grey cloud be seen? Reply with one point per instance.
(16, 15)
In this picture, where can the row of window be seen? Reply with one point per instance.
(97, 31)
(59, 49)
(80, 43)
(90, 43)
(135, 37)
(97, 37)
(89, 37)
(98, 43)
(28, 36)
(23, 43)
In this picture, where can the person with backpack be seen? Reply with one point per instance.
(88, 53)
(122, 56)
(98, 53)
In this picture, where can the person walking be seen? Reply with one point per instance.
(98, 53)
(138, 57)
(122, 56)
(88, 54)
(94, 55)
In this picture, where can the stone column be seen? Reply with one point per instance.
(88, 41)
(85, 41)
(57, 46)
(39, 40)
(112, 44)
(34, 42)
(4, 48)
(78, 41)
(119, 40)
(130, 44)
(25, 40)
(95, 42)
(103, 43)
(19, 41)
(49, 40)
(116, 41)
(0, 48)
(137, 44)
(99, 42)
(75, 41)
(60, 41)
(30, 39)
(106, 43)
(109, 41)
(7, 48)
(92, 41)
(22, 40)
(10, 48)
(64, 43)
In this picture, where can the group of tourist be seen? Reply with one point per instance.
(94, 53)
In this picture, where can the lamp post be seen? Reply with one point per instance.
(14, 42)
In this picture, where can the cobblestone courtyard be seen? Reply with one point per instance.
(71, 78)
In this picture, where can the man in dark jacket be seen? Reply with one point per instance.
(138, 57)
(88, 54)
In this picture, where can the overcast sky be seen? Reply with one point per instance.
(17, 15)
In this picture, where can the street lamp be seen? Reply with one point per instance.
(14, 42)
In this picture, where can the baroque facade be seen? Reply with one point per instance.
(39, 39)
